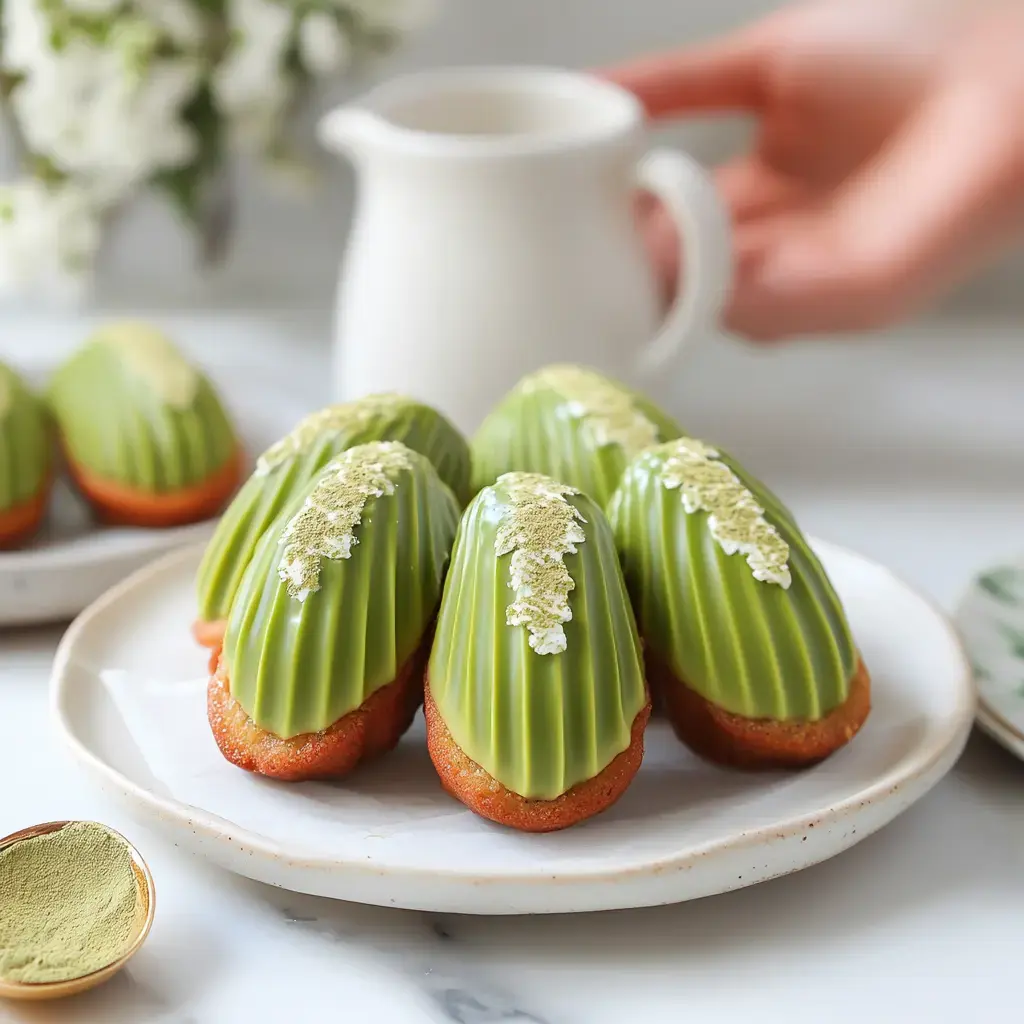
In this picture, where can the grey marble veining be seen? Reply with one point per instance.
(423, 949)
(468, 1008)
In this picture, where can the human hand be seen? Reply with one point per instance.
(889, 158)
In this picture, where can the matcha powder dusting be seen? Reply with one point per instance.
(539, 529)
(69, 902)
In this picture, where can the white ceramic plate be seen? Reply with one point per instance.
(391, 836)
(73, 560)
(991, 622)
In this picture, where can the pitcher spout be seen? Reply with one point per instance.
(349, 130)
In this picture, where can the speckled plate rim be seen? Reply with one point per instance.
(794, 844)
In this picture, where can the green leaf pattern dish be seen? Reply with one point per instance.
(991, 622)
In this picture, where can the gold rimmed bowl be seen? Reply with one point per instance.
(143, 923)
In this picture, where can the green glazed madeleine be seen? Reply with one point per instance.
(341, 590)
(287, 467)
(26, 455)
(728, 594)
(536, 667)
(131, 409)
(572, 424)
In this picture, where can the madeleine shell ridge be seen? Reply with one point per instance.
(117, 423)
(291, 467)
(297, 666)
(751, 647)
(26, 452)
(543, 427)
(537, 723)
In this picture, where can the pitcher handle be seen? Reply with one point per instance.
(706, 259)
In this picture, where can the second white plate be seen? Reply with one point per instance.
(73, 561)
(391, 836)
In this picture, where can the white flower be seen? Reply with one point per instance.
(323, 46)
(179, 19)
(256, 56)
(100, 91)
(95, 118)
(25, 34)
(48, 239)
(250, 84)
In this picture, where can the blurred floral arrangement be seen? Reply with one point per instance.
(106, 98)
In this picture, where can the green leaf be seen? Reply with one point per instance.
(1015, 638)
(1005, 584)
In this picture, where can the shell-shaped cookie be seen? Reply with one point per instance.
(132, 410)
(342, 589)
(572, 424)
(287, 467)
(26, 452)
(728, 594)
(536, 667)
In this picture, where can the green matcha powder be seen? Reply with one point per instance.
(69, 902)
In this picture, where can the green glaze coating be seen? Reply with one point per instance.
(538, 717)
(733, 601)
(26, 455)
(301, 652)
(132, 410)
(287, 468)
(572, 424)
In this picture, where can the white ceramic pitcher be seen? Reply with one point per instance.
(494, 233)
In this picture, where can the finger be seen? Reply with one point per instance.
(794, 278)
(719, 76)
(751, 189)
(783, 284)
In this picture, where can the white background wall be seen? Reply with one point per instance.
(286, 251)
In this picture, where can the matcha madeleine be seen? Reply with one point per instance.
(746, 641)
(323, 658)
(287, 468)
(146, 438)
(535, 698)
(572, 424)
(26, 460)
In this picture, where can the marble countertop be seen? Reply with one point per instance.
(908, 448)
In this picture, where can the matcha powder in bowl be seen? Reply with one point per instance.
(72, 902)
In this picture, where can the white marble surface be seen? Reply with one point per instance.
(911, 449)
